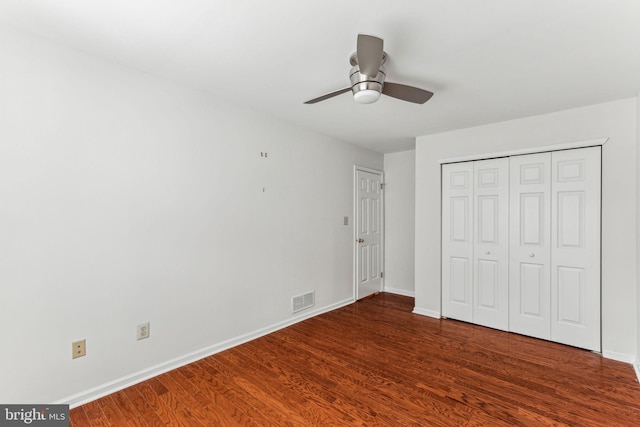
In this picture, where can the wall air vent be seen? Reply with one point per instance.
(301, 302)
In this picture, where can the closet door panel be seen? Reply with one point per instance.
(532, 289)
(491, 243)
(575, 266)
(457, 240)
(530, 245)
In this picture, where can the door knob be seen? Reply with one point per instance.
(531, 255)
(360, 240)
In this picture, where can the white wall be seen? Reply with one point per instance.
(399, 175)
(638, 234)
(616, 120)
(128, 199)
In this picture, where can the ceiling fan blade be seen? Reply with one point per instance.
(406, 93)
(327, 96)
(369, 52)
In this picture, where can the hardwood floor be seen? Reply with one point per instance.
(374, 363)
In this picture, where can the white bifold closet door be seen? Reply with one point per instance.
(530, 251)
(554, 271)
(521, 244)
(475, 242)
(491, 243)
(575, 247)
(457, 240)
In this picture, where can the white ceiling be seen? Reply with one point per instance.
(485, 60)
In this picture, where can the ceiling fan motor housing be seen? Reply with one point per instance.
(366, 89)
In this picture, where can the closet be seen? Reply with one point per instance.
(521, 244)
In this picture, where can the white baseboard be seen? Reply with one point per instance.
(400, 292)
(636, 367)
(620, 357)
(426, 312)
(137, 377)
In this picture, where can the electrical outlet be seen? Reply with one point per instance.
(142, 331)
(78, 349)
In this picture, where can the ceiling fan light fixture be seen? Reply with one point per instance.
(366, 89)
(366, 96)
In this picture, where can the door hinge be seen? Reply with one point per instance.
(382, 274)
(382, 185)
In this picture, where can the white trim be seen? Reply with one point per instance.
(531, 150)
(426, 312)
(636, 367)
(402, 292)
(357, 168)
(366, 169)
(137, 377)
(620, 357)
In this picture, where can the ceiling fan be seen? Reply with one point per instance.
(367, 77)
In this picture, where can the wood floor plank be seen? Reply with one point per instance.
(318, 390)
(164, 404)
(524, 389)
(199, 404)
(95, 415)
(111, 411)
(375, 363)
(225, 383)
(255, 384)
(128, 411)
(480, 366)
(142, 408)
(218, 399)
(184, 404)
(288, 389)
(222, 387)
(78, 418)
(380, 381)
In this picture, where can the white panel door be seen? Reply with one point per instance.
(457, 240)
(368, 233)
(490, 281)
(530, 245)
(575, 264)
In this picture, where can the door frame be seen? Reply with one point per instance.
(354, 238)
